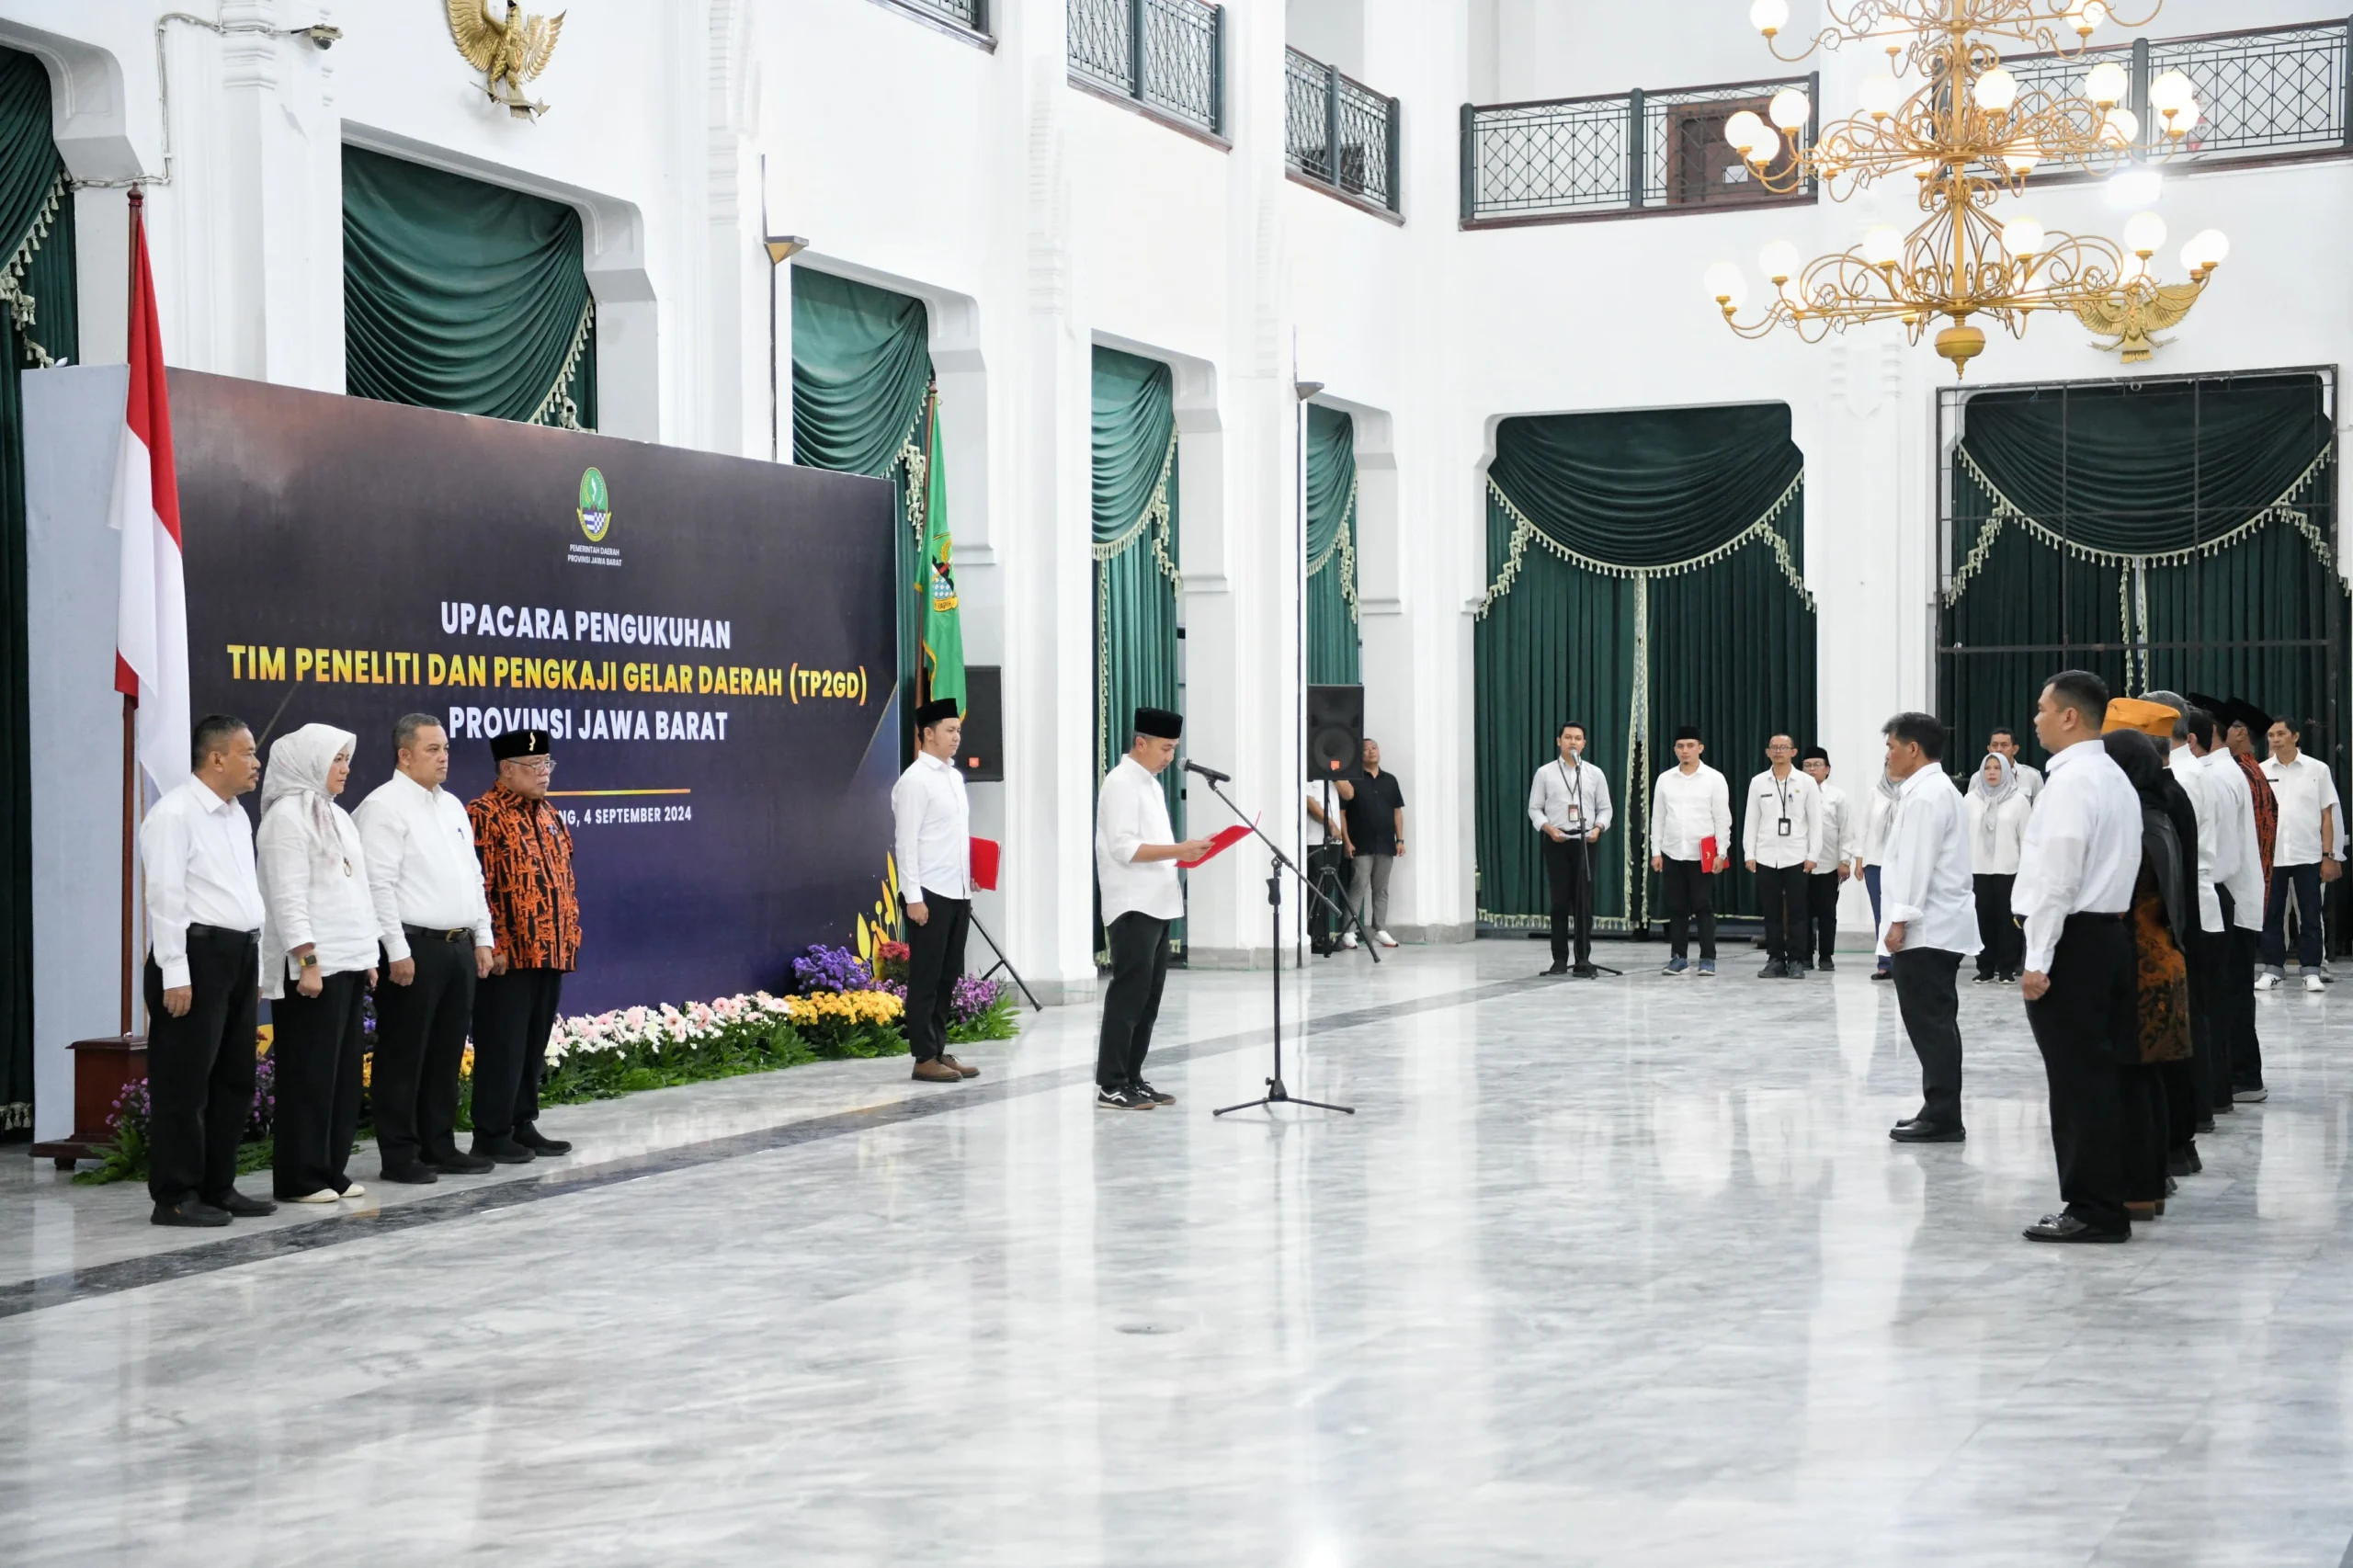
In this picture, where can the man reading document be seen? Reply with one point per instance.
(1136, 853)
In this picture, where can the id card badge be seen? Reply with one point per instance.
(1785, 827)
(1576, 818)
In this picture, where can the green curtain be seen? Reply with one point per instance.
(2172, 535)
(1645, 573)
(1332, 645)
(861, 368)
(38, 325)
(465, 296)
(1135, 547)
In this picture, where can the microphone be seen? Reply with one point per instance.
(1211, 774)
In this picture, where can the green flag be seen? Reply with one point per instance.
(943, 632)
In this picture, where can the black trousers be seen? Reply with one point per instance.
(1822, 915)
(1131, 1003)
(935, 963)
(1781, 891)
(1328, 868)
(2190, 1086)
(1569, 867)
(2241, 1065)
(1927, 997)
(200, 1067)
(1690, 894)
(2001, 945)
(2304, 884)
(316, 1043)
(420, 1049)
(2086, 1027)
(514, 1014)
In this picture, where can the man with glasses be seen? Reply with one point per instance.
(535, 928)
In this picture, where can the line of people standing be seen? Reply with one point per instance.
(461, 919)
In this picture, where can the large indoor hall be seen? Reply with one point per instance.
(1226, 783)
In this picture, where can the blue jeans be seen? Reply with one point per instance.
(1870, 886)
(2305, 881)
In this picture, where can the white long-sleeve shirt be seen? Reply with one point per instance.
(932, 830)
(1686, 808)
(1842, 828)
(2238, 858)
(2305, 792)
(197, 851)
(1871, 842)
(1772, 801)
(1575, 799)
(1132, 811)
(421, 870)
(2191, 774)
(1996, 854)
(1925, 880)
(2082, 852)
(312, 891)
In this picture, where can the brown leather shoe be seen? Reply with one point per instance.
(962, 1070)
(936, 1071)
(2145, 1212)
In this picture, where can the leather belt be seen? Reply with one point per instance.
(436, 934)
(220, 933)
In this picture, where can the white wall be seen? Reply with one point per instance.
(1039, 221)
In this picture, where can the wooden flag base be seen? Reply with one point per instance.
(101, 1070)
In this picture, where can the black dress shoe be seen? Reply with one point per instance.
(2183, 1162)
(408, 1172)
(1586, 971)
(1882, 975)
(1826, 965)
(502, 1151)
(1558, 969)
(457, 1161)
(2067, 1228)
(243, 1208)
(1928, 1133)
(2205, 1124)
(1774, 969)
(529, 1136)
(191, 1212)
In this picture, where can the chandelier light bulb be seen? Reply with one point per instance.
(1790, 108)
(1883, 245)
(2205, 250)
(2143, 234)
(1996, 90)
(1779, 261)
(2119, 128)
(2171, 93)
(1727, 285)
(2086, 15)
(1747, 135)
(2022, 156)
(2022, 236)
(1879, 93)
(2106, 84)
(1769, 16)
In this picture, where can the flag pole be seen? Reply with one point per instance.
(130, 718)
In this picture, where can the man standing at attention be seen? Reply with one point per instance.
(433, 923)
(2007, 742)
(1135, 873)
(534, 932)
(1841, 838)
(1568, 802)
(1929, 904)
(1691, 805)
(933, 845)
(1376, 835)
(1783, 842)
(2303, 857)
(2076, 871)
(202, 980)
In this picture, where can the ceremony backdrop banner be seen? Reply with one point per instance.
(1332, 645)
(1645, 572)
(710, 639)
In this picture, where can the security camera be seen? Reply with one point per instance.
(321, 34)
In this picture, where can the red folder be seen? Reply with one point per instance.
(1708, 861)
(1227, 839)
(985, 855)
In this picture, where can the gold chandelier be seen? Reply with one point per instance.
(1965, 134)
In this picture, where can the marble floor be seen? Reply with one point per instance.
(1625, 1273)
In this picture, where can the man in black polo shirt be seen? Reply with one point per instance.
(1376, 813)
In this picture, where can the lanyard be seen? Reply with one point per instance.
(1575, 783)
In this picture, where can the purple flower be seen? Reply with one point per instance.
(973, 996)
(831, 968)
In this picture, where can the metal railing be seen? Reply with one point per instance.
(1619, 152)
(2262, 93)
(1168, 55)
(1339, 132)
(971, 15)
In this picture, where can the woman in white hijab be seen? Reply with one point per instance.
(1996, 809)
(318, 960)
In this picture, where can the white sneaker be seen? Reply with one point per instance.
(1347, 939)
(354, 1191)
(2313, 984)
(1384, 938)
(324, 1195)
(2267, 982)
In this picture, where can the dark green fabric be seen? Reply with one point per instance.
(861, 368)
(1332, 638)
(458, 294)
(29, 170)
(1648, 488)
(1731, 645)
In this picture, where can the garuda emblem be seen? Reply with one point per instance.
(510, 53)
(2133, 315)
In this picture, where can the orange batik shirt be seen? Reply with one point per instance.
(527, 871)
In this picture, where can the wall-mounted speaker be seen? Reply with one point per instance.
(1335, 730)
(981, 756)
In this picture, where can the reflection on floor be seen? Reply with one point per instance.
(1615, 1273)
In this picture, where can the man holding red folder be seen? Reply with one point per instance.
(933, 843)
(1136, 854)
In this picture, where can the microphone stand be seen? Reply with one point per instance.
(1277, 1093)
(1585, 913)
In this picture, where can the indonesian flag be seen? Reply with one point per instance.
(151, 626)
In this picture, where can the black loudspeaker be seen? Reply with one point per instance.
(1335, 730)
(981, 756)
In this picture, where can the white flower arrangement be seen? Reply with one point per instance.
(653, 1028)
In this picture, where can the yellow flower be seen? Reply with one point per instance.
(844, 1006)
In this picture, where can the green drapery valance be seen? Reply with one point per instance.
(861, 368)
(1596, 615)
(465, 296)
(40, 325)
(1135, 550)
(1332, 646)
